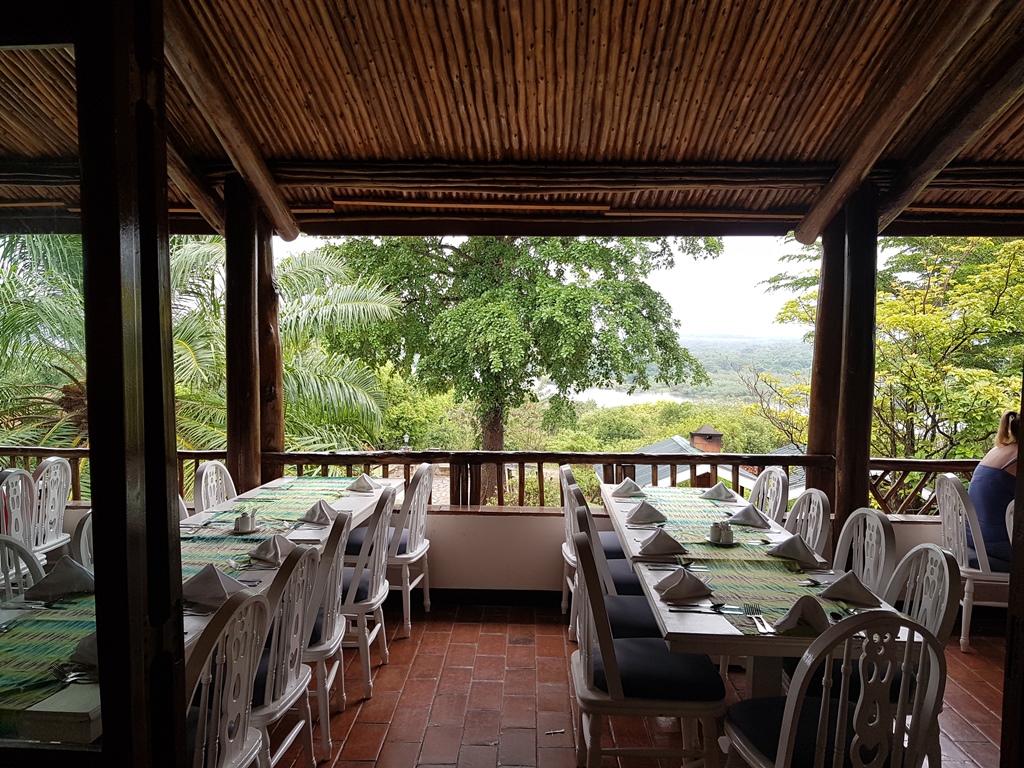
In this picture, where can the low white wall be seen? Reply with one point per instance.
(911, 530)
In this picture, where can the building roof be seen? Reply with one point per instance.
(556, 117)
(675, 444)
(707, 430)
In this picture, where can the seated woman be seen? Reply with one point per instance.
(991, 491)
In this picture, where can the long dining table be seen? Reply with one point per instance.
(738, 574)
(34, 705)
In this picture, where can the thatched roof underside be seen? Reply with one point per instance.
(553, 116)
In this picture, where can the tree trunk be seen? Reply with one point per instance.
(492, 426)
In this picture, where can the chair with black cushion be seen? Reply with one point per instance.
(219, 677)
(52, 480)
(327, 628)
(213, 485)
(408, 550)
(770, 493)
(19, 568)
(810, 518)
(617, 575)
(17, 505)
(567, 479)
(867, 546)
(893, 717)
(365, 586)
(957, 512)
(282, 680)
(636, 677)
(609, 539)
(81, 541)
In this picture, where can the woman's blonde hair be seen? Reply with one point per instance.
(1009, 428)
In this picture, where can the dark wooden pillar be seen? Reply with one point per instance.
(120, 83)
(242, 356)
(857, 385)
(271, 366)
(1010, 753)
(828, 355)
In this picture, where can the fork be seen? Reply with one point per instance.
(66, 675)
(754, 612)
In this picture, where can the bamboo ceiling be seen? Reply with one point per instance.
(549, 116)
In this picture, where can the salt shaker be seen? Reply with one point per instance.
(715, 535)
(243, 523)
(726, 533)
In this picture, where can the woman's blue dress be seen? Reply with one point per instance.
(991, 491)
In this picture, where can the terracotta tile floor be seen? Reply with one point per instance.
(487, 685)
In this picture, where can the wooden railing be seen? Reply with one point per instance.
(526, 478)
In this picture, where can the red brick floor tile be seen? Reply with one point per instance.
(460, 655)
(486, 694)
(379, 709)
(482, 727)
(552, 670)
(552, 697)
(489, 667)
(522, 657)
(556, 758)
(408, 725)
(427, 665)
(491, 644)
(551, 645)
(402, 651)
(521, 681)
(434, 642)
(455, 680)
(418, 694)
(398, 754)
(958, 729)
(465, 632)
(441, 744)
(517, 746)
(448, 709)
(548, 726)
(991, 730)
(389, 678)
(364, 741)
(519, 712)
(476, 756)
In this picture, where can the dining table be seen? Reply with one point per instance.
(35, 705)
(738, 574)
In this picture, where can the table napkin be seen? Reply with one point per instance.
(627, 488)
(795, 548)
(68, 577)
(806, 612)
(364, 483)
(851, 589)
(717, 492)
(273, 550)
(645, 512)
(210, 587)
(319, 514)
(661, 543)
(750, 515)
(682, 586)
(85, 652)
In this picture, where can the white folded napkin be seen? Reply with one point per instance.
(273, 550)
(661, 543)
(806, 612)
(645, 512)
(682, 586)
(210, 587)
(364, 483)
(68, 577)
(795, 548)
(717, 492)
(851, 589)
(85, 652)
(627, 488)
(319, 514)
(751, 516)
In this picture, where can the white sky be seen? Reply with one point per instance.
(714, 297)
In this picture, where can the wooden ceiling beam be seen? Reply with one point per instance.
(188, 58)
(991, 101)
(926, 65)
(205, 198)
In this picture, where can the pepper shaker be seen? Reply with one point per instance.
(715, 535)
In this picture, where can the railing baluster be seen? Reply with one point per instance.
(540, 484)
(76, 479)
(654, 474)
(522, 483)
(736, 479)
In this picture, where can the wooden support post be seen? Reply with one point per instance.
(242, 355)
(119, 67)
(857, 385)
(828, 355)
(1013, 669)
(271, 366)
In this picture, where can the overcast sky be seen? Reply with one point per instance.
(714, 297)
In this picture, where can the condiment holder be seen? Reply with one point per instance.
(725, 533)
(244, 523)
(715, 535)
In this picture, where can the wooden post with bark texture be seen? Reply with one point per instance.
(271, 366)
(1013, 668)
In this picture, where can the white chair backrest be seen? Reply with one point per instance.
(891, 715)
(1009, 519)
(290, 600)
(867, 546)
(17, 505)
(413, 515)
(957, 512)
(327, 593)
(213, 485)
(592, 623)
(569, 503)
(219, 678)
(19, 568)
(927, 579)
(53, 488)
(810, 518)
(770, 493)
(182, 509)
(81, 541)
(372, 557)
(585, 525)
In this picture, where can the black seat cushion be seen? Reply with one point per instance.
(631, 616)
(358, 536)
(649, 670)
(364, 583)
(760, 720)
(815, 688)
(625, 581)
(611, 545)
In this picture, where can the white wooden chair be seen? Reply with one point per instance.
(408, 545)
(183, 512)
(282, 685)
(617, 575)
(1009, 519)
(81, 541)
(327, 628)
(867, 546)
(636, 677)
(213, 484)
(52, 480)
(17, 505)
(770, 493)
(894, 715)
(366, 587)
(810, 518)
(957, 512)
(19, 568)
(219, 677)
(567, 479)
